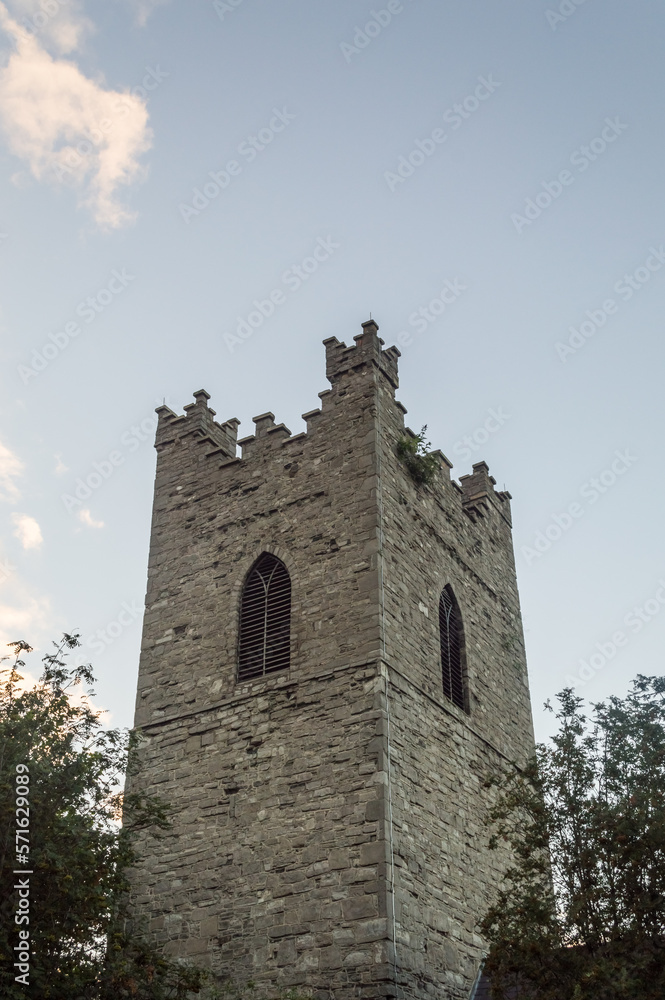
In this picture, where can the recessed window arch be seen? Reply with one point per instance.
(265, 619)
(453, 667)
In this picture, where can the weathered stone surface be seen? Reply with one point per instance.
(328, 819)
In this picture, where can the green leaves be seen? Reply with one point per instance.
(79, 855)
(413, 452)
(80, 937)
(581, 910)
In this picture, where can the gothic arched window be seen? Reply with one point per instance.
(452, 649)
(265, 619)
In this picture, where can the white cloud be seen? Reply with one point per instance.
(144, 9)
(11, 467)
(86, 518)
(60, 24)
(27, 531)
(27, 617)
(60, 467)
(69, 129)
(30, 617)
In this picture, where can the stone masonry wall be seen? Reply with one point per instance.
(275, 868)
(292, 795)
(273, 871)
(440, 755)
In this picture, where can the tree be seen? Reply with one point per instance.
(581, 910)
(61, 800)
(60, 804)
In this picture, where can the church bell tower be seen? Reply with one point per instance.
(332, 662)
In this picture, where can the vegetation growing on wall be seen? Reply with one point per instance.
(414, 453)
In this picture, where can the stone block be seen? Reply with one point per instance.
(370, 930)
(372, 853)
(330, 958)
(358, 907)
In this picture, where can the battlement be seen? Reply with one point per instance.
(198, 420)
(367, 351)
(478, 493)
(476, 490)
(267, 434)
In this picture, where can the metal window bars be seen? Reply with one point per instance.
(452, 655)
(265, 619)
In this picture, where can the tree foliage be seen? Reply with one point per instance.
(581, 911)
(78, 853)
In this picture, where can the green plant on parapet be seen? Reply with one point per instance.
(413, 450)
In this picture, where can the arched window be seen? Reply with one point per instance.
(265, 619)
(452, 649)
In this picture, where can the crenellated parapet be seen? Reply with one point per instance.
(219, 443)
(478, 494)
(368, 350)
(267, 434)
(198, 421)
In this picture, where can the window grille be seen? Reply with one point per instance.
(452, 649)
(265, 619)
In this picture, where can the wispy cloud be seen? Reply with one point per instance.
(144, 8)
(27, 531)
(86, 518)
(60, 467)
(60, 24)
(27, 616)
(11, 467)
(67, 128)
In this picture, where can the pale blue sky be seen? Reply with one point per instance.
(161, 95)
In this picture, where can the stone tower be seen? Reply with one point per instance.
(327, 781)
